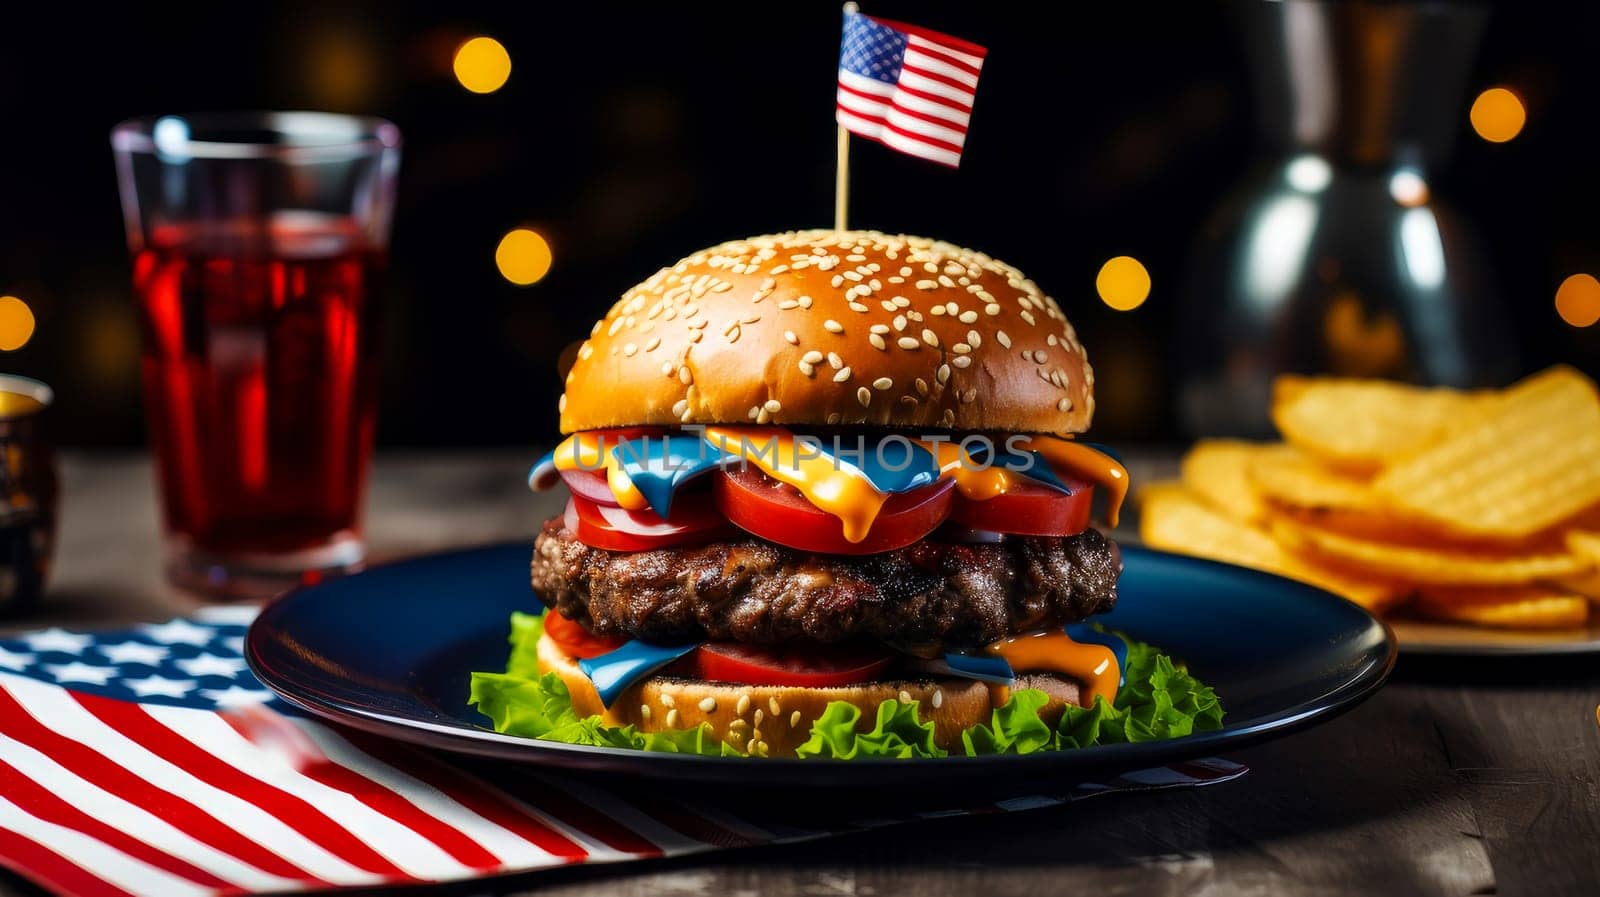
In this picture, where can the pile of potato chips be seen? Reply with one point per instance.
(1475, 507)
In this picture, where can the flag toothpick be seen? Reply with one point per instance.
(841, 170)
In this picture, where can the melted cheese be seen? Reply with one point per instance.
(1052, 651)
(972, 482)
(836, 488)
(1094, 466)
(582, 451)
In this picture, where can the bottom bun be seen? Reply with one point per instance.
(773, 720)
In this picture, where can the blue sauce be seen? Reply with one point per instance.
(986, 668)
(658, 465)
(1085, 634)
(543, 475)
(614, 671)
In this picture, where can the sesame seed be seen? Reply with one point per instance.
(929, 337)
(882, 383)
(780, 269)
(1051, 339)
(877, 342)
(832, 326)
(968, 316)
(773, 406)
(888, 306)
(561, 403)
(810, 370)
(1026, 316)
(864, 396)
(899, 322)
(790, 337)
(879, 328)
(1064, 405)
(905, 271)
(763, 416)
(901, 301)
(851, 275)
(1005, 341)
(952, 308)
(722, 287)
(743, 706)
(794, 719)
(906, 342)
(834, 361)
(991, 309)
(754, 412)
(949, 417)
(938, 698)
(774, 706)
(586, 351)
(654, 342)
(858, 307)
(897, 279)
(930, 267)
(805, 301)
(937, 310)
(672, 719)
(644, 710)
(708, 705)
(927, 284)
(968, 397)
(975, 338)
(905, 696)
(812, 357)
(1039, 356)
(961, 348)
(961, 361)
(945, 281)
(943, 374)
(842, 376)
(760, 715)
(630, 349)
(679, 407)
(667, 701)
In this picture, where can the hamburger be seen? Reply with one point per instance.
(824, 488)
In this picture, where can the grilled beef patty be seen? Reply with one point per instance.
(927, 598)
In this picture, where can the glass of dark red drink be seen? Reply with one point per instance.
(258, 240)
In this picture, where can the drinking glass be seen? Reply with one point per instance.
(258, 240)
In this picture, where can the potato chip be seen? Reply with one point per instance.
(1219, 471)
(1180, 521)
(1361, 425)
(1515, 608)
(1429, 565)
(1297, 481)
(1527, 466)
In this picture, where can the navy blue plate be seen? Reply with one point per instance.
(391, 650)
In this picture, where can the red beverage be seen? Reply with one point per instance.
(260, 379)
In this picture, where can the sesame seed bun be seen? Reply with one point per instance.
(773, 720)
(834, 327)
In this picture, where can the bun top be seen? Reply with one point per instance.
(831, 327)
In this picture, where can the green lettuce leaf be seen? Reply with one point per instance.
(898, 732)
(1159, 699)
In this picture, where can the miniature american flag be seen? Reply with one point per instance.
(906, 87)
(151, 762)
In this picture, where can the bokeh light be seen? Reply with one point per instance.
(1123, 283)
(1408, 188)
(1498, 115)
(523, 257)
(482, 65)
(16, 323)
(1578, 300)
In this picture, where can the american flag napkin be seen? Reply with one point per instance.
(149, 761)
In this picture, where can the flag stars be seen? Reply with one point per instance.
(159, 686)
(235, 696)
(134, 652)
(179, 632)
(78, 671)
(57, 639)
(14, 661)
(211, 665)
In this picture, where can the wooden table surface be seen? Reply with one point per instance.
(1466, 777)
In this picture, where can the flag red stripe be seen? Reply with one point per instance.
(939, 77)
(90, 765)
(472, 793)
(909, 135)
(300, 814)
(930, 119)
(387, 803)
(934, 98)
(875, 100)
(582, 817)
(50, 870)
(943, 54)
(40, 802)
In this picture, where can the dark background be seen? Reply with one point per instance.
(632, 136)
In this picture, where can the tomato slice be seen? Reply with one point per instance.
(694, 519)
(591, 483)
(576, 640)
(1029, 509)
(813, 666)
(778, 513)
